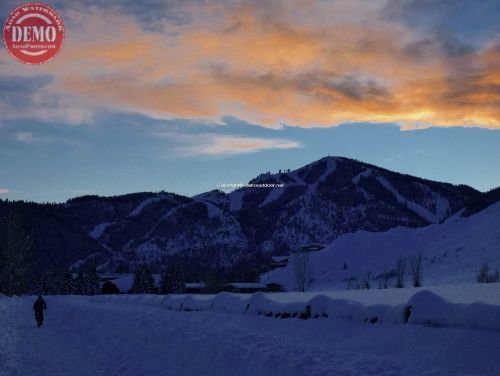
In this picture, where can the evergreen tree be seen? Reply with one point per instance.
(92, 281)
(40, 285)
(215, 280)
(164, 282)
(2, 262)
(246, 269)
(173, 280)
(48, 283)
(68, 284)
(15, 252)
(58, 283)
(80, 283)
(143, 281)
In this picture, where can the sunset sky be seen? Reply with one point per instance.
(182, 95)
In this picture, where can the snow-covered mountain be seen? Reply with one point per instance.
(316, 203)
(452, 253)
(333, 196)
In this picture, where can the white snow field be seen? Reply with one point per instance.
(144, 335)
(452, 253)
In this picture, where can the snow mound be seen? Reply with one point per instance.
(423, 308)
(431, 310)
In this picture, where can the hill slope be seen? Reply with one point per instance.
(452, 252)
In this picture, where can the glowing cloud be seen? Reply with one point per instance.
(229, 145)
(304, 63)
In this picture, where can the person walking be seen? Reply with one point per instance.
(39, 306)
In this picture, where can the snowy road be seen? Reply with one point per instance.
(82, 337)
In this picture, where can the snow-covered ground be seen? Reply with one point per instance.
(452, 252)
(139, 335)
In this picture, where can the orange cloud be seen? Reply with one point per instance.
(305, 64)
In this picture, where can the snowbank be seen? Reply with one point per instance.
(423, 308)
(432, 310)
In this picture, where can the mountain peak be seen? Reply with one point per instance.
(315, 203)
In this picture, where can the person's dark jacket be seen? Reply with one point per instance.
(39, 306)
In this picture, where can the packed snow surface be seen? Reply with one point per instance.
(213, 211)
(139, 208)
(99, 229)
(442, 206)
(144, 335)
(236, 200)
